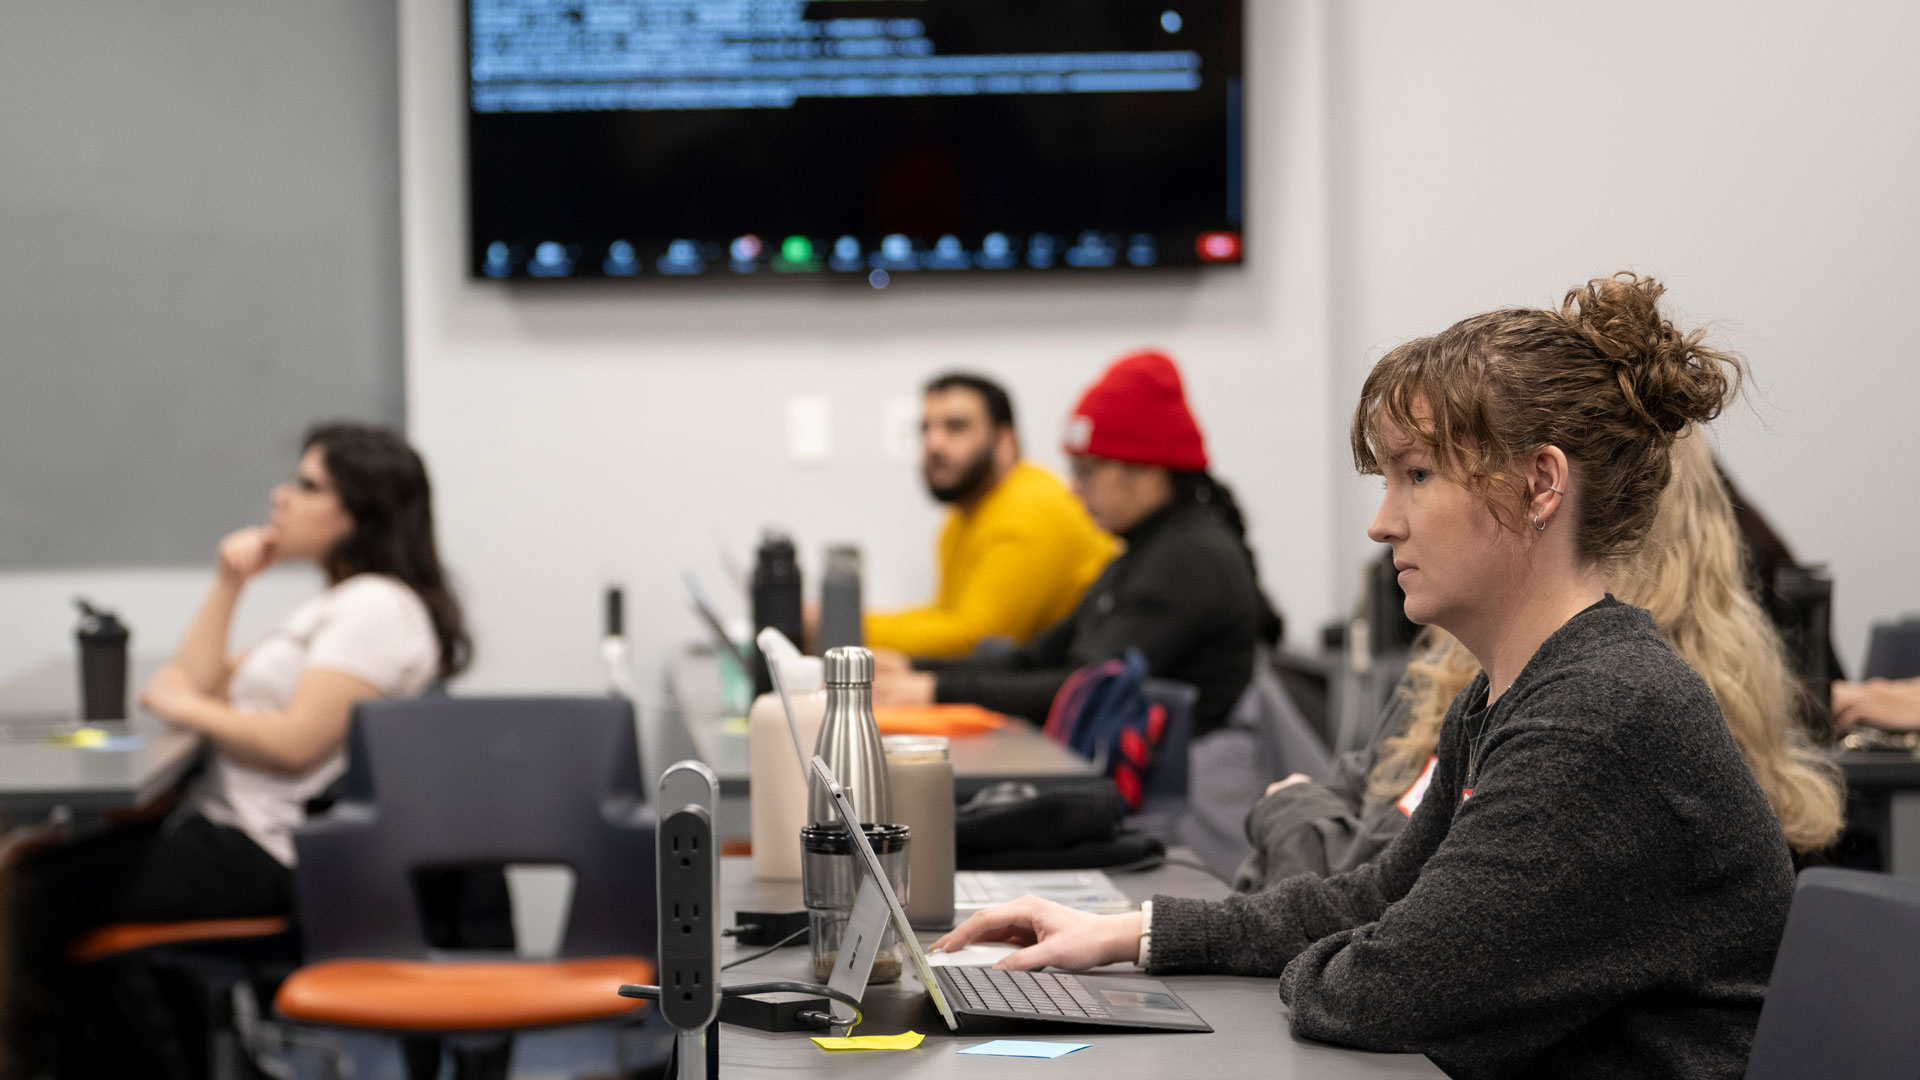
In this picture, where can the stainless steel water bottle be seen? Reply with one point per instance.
(850, 742)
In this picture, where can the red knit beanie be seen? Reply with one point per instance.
(1138, 413)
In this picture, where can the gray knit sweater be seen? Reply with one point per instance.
(1606, 902)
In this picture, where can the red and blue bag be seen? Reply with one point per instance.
(1102, 713)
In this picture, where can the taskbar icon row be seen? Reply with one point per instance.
(895, 252)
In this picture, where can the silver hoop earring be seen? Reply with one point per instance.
(1555, 490)
(1538, 525)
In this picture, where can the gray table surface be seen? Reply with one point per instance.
(1018, 752)
(37, 775)
(1250, 1037)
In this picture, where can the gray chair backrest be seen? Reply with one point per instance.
(480, 781)
(1288, 742)
(1841, 999)
(1167, 777)
(1893, 650)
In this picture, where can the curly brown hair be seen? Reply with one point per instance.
(1689, 574)
(1606, 378)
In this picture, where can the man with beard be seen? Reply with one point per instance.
(1017, 549)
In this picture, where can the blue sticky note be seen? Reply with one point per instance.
(1016, 1048)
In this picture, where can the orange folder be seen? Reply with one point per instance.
(952, 721)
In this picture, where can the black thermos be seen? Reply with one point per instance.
(776, 599)
(102, 639)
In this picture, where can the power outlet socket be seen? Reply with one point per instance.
(689, 923)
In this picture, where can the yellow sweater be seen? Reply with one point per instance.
(1012, 567)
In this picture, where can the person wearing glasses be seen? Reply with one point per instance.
(1183, 591)
(275, 715)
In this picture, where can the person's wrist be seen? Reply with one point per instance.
(1140, 943)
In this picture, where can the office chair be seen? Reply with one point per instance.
(1841, 998)
(1288, 742)
(1307, 680)
(1893, 650)
(453, 782)
(1266, 738)
(1168, 778)
(120, 938)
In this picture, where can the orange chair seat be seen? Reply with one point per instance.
(951, 720)
(125, 937)
(409, 995)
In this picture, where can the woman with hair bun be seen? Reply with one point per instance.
(1690, 575)
(1594, 884)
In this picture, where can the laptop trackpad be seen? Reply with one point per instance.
(1143, 1001)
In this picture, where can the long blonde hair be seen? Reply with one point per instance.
(1688, 573)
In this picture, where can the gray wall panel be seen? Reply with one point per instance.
(199, 255)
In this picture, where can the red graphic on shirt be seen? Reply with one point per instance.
(1411, 800)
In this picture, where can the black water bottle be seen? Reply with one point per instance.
(776, 599)
(102, 638)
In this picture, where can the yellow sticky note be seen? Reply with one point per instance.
(904, 1041)
(87, 738)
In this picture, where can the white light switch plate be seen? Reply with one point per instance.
(809, 430)
(900, 429)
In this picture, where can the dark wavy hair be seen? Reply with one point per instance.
(382, 484)
(1199, 486)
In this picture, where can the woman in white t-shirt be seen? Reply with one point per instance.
(275, 716)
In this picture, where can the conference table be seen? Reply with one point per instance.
(1250, 1037)
(122, 765)
(1016, 752)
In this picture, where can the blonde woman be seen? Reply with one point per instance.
(1688, 574)
(1594, 885)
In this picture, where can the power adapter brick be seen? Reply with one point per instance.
(766, 928)
(779, 1010)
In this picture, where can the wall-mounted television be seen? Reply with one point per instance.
(757, 139)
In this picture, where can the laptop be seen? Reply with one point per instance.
(976, 998)
(722, 644)
(1082, 890)
(37, 727)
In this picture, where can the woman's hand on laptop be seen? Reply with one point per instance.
(1053, 935)
(1888, 704)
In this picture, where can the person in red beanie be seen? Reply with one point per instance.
(1183, 591)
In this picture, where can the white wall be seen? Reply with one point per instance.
(580, 436)
(156, 604)
(1411, 164)
(1759, 157)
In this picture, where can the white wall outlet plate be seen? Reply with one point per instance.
(810, 430)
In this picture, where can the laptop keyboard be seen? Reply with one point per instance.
(969, 889)
(1032, 993)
